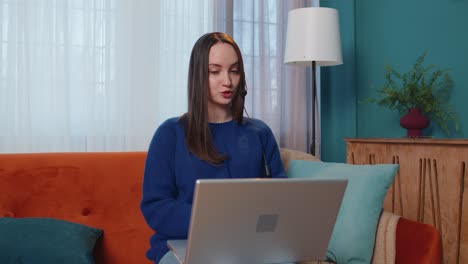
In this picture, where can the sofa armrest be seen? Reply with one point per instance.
(417, 243)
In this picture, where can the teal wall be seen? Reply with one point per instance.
(390, 32)
(338, 89)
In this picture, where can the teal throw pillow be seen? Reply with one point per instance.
(355, 229)
(46, 240)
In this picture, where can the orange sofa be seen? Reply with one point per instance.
(103, 190)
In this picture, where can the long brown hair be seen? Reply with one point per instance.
(197, 132)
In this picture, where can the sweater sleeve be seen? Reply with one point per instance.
(162, 209)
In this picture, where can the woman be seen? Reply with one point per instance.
(211, 140)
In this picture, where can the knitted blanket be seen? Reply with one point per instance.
(385, 249)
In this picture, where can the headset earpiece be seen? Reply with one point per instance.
(243, 93)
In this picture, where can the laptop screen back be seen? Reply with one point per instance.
(262, 220)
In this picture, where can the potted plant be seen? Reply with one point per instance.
(419, 95)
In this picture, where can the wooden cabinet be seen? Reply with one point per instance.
(429, 185)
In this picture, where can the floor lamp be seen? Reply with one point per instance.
(313, 39)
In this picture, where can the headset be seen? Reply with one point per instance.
(243, 93)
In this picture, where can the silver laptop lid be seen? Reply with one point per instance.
(262, 220)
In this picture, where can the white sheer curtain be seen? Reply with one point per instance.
(101, 75)
(277, 93)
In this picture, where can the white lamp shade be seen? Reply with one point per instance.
(313, 34)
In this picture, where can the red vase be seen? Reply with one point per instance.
(414, 122)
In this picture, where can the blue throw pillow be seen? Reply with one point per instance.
(46, 240)
(355, 229)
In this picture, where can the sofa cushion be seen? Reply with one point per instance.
(354, 233)
(46, 240)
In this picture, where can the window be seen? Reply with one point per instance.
(101, 75)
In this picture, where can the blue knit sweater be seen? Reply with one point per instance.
(171, 171)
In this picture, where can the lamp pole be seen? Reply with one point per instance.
(314, 100)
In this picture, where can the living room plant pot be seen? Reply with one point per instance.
(414, 121)
(423, 87)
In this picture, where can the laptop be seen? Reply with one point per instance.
(260, 221)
